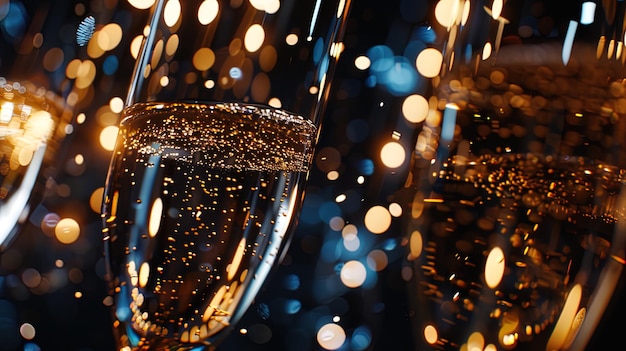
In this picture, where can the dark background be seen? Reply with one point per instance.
(69, 313)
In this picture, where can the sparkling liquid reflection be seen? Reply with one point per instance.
(32, 127)
(198, 207)
(516, 207)
(513, 249)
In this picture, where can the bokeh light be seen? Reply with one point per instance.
(331, 336)
(430, 334)
(415, 108)
(27, 331)
(392, 154)
(429, 62)
(108, 136)
(377, 219)
(141, 4)
(208, 11)
(67, 231)
(353, 274)
(494, 267)
(255, 35)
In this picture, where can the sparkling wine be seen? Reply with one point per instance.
(32, 124)
(515, 251)
(198, 207)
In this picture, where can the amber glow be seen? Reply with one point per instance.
(215, 302)
(141, 4)
(476, 341)
(110, 36)
(415, 108)
(447, 12)
(377, 219)
(496, 8)
(255, 35)
(494, 267)
(208, 11)
(172, 12)
(416, 243)
(144, 274)
(108, 136)
(486, 51)
(135, 45)
(233, 267)
(392, 154)
(95, 200)
(565, 324)
(203, 59)
(155, 217)
(430, 334)
(377, 260)
(67, 231)
(429, 62)
(291, 39)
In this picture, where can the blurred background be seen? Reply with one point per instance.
(53, 291)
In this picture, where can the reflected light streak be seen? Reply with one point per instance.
(449, 123)
(496, 8)
(316, 11)
(6, 113)
(434, 200)
(14, 208)
(564, 323)
(587, 15)
(237, 257)
(569, 42)
(606, 285)
(466, 12)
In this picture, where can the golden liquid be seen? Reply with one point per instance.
(29, 140)
(552, 223)
(198, 207)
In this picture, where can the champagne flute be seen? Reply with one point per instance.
(516, 196)
(32, 127)
(207, 177)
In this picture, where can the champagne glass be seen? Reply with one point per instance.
(515, 200)
(33, 124)
(207, 177)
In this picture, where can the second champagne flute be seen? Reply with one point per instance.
(207, 177)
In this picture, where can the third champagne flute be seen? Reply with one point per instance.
(516, 217)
